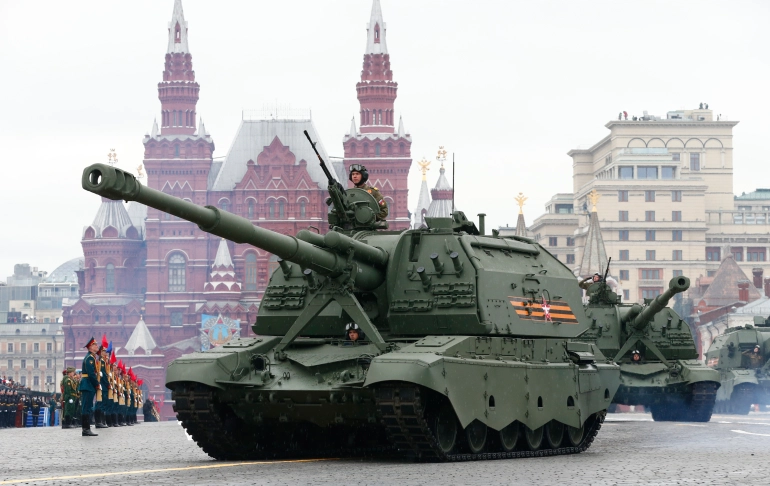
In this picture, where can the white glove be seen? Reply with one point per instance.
(71, 401)
(101, 374)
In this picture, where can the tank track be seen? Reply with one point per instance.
(696, 407)
(223, 436)
(402, 411)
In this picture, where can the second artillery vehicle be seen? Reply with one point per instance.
(741, 356)
(468, 349)
(656, 353)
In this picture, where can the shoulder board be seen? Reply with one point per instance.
(375, 188)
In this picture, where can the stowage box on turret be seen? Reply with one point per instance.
(656, 353)
(465, 346)
(741, 356)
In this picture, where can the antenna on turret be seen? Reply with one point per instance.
(607, 271)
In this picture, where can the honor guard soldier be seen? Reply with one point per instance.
(4, 410)
(358, 176)
(35, 408)
(15, 404)
(89, 384)
(102, 395)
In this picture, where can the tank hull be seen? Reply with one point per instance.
(742, 388)
(342, 395)
(685, 391)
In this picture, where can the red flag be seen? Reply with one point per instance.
(113, 359)
(105, 343)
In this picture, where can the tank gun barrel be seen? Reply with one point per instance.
(675, 286)
(367, 268)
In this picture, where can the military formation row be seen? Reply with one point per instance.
(107, 391)
(14, 406)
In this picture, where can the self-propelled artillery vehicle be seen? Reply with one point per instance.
(468, 349)
(742, 357)
(656, 353)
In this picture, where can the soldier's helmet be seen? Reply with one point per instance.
(361, 169)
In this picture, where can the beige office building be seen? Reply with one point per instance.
(667, 205)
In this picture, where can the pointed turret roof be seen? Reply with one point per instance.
(594, 255)
(375, 31)
(352, 132)
(724, 288)
(442, 193)
(401, 132)
(423, 200)
(222, 260)
(521, 226)
(112, 214)
(155, 132)
(140, 338)
(177, 30)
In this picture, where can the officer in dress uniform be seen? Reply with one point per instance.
(14, 409)
(89, 384)
(358, 176)
(69, 394)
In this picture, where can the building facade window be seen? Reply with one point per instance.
(695, 162)
(110, 278)
(676, 157)
(303, 209)
(23, 380)
(713, 254)
(553, 241)
(678, 273)
(48, 347)
(10, 364)
(224, 204)
(24, 364)
(10, 347)
(271, 209)
(649, 215)
(649, 235)
(624, 275)
(23, 348)
(622, 215)
(623, 255)
(281, 209)
(177, 273)
(626, 295)
(251, 209)
(737, 254)
(36, 363)
(651, 274)
(625, 172)
(623, 235)
(676, 196)
(667, 172)
(48, 364)
(251, 271)
(622, 196)
(647, 173)
(650, 255)
(36, 347)
(676, 255)
(651, 293)
(177, 319)
(649, 196)
(755, 254)
(676, 235)
(570, 258)
(676, 215)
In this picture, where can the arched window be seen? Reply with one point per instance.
(377, 150)
(224, 204)
(176, 150)
(110, 278)
(302, 209)
(251, 271)
(402, 148)
(281, 209)
(251, 209)
(176, 273)
(271, 209)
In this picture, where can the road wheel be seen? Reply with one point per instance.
(534, 438)
(554, 433)
(476, 435)
(509, 436)
(575, 435)
(443, 421)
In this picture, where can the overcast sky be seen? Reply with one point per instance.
(509, 87)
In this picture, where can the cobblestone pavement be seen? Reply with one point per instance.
(630, 449)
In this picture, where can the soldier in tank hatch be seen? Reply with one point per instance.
(588, 281)
(353, 333)
(754, 357)
(359, 176)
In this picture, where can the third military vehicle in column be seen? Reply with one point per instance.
(656, 353)
(467, 349)
(741, 356)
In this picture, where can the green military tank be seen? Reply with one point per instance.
(467, 349)
(740, 355)
(656, 353)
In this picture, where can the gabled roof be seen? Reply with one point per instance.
(724, 289)
(140, 338)
(255, 135)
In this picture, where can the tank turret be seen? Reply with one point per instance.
(638, 317)
(363, 331)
